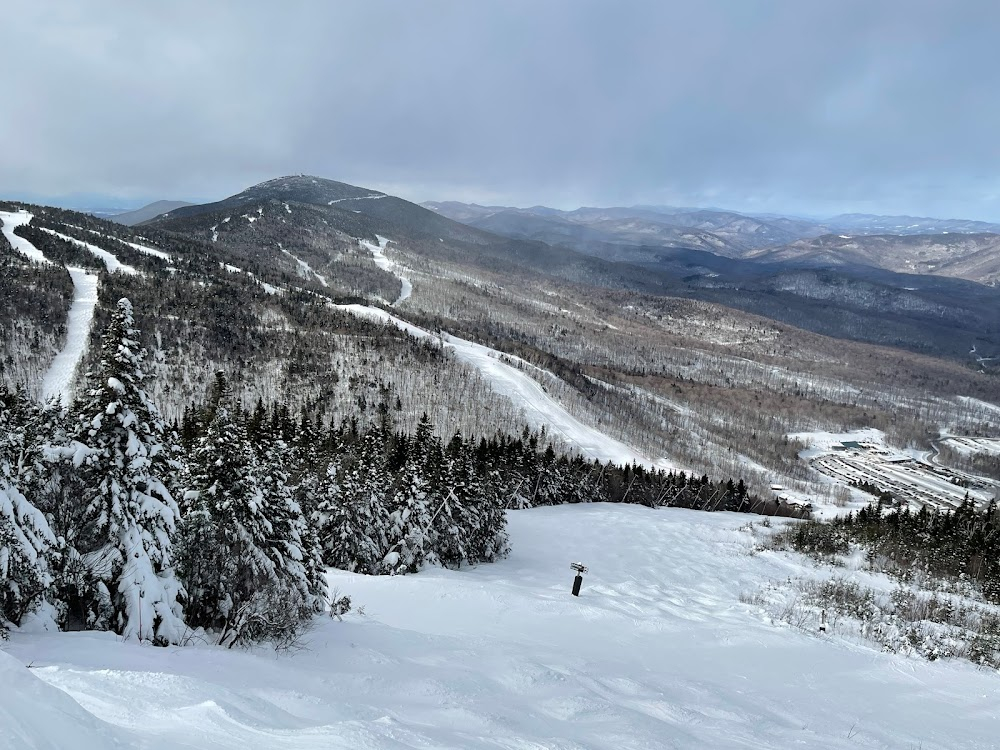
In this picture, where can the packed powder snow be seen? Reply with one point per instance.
(659, 651)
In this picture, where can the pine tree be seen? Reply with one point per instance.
(26, 541)
(244, 551)
(409, 522)
(352, 508)
(131, 514)
(293, 544)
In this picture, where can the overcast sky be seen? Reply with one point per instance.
(804, 106)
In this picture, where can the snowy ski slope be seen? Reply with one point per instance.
(58, 380)
(109, 259)
(539, 407)
(383, 262)
(12, 220)
(657, 652)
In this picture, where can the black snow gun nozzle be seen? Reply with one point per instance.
(580, 569)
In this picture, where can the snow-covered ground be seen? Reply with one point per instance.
(539, 407)
(969, 445)
(306, 269)
(985, 406)
(383, 262)
(657, 652)
(820, 443)
(134, 245)
(58, 380)
(110, 260)
(12, 220)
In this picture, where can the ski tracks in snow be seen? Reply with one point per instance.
(539, 406)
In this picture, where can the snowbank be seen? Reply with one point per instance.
(36, 716)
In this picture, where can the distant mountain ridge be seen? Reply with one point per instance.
(975, 257)
(906, 225)
(298, 222)
(902, 244)
(147, 212)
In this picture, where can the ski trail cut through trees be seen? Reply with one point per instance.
(134, 245)
(306, 268)
(58, 381)
(11, 220)
(111, 261)
(378, 253)
(539, 407)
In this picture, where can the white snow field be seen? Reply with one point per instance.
(378, 253)
(58, 380)
(657, 652)
(14, 219)
(539, 407)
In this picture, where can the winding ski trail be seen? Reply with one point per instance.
(110, 260)
(539, 407)
(134, 245)
(378, 253)
(13, 219)
(58, 379)
(306, 269)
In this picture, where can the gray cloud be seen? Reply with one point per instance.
(773, 106)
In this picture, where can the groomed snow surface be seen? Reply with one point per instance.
(110, 260)
(58, 379)
(539, 407)
(12, 220)
(658, 652)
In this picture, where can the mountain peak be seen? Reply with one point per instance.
(306, 189)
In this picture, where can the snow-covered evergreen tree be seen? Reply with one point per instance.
(408, 527)
(26, 541)
(240, 551)
(293, 542)
(130, 513)
(352, 510)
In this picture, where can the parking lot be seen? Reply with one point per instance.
(907, 479)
